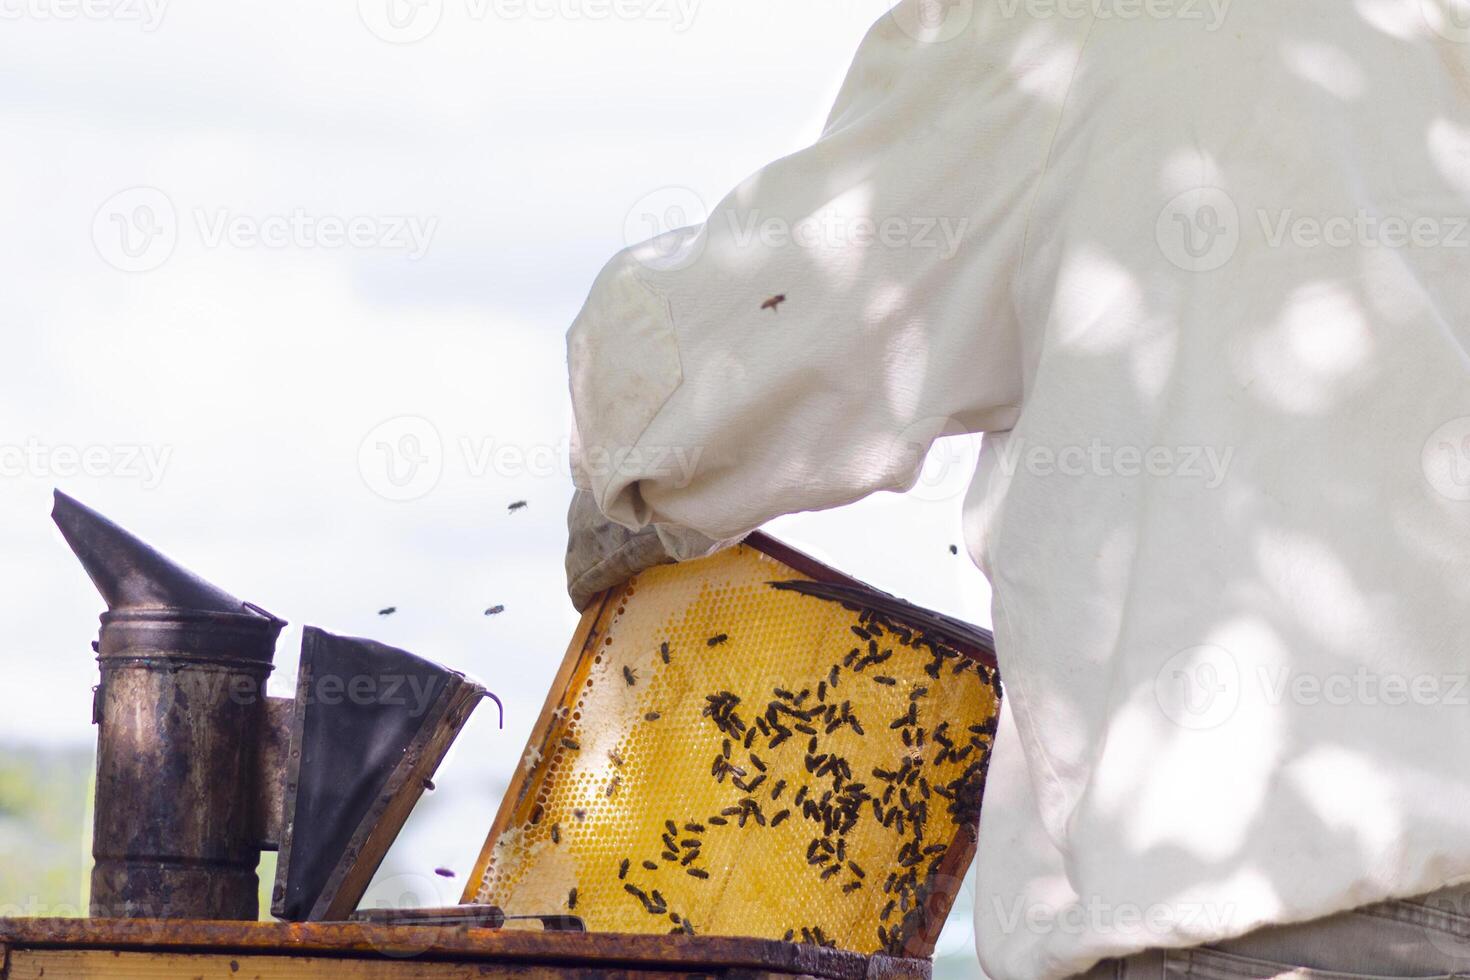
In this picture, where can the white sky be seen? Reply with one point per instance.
(521, 144)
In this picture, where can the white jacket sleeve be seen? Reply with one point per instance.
(705, 400)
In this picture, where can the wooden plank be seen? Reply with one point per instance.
(460, 944)
(112, 965)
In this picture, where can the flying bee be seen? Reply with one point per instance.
(494, 610)
(516, 505)
(774, 303)
(388, 611)
(444, 872)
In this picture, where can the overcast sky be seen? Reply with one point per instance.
(246, 247)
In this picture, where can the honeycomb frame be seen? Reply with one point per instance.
(677, 688)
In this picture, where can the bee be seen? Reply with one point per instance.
(780, 818)
(719, 821)
(673, 827)
(516, 505)
(428, 784)
(494, 610)
(652, 716)
(687, 927)
(717, 639)
(773, 304)
(630, 676)
(885, 681)
(790, 935)
(537, 812)
(835, 869)
(571, 744)
(690, 858)
(699, 873)
(556, 833)
(650, 866)
(669, 856)
(615, 759)
(623, 869)
(580, 815)
(888, 909)
(390, 610)
(853, 867)
(444, 872)
(612, 787)
(755, 760)
(572, 899)
(776, 792)
(954, 549)
(663, 651)
(851, 887)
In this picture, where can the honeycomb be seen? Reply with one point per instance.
(731, 759)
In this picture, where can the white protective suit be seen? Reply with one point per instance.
(1202, 272)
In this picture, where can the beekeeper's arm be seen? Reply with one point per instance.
(834, 315)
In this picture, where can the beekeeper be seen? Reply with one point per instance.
(1201, 273)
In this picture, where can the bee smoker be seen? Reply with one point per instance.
(181, 715)
(198, 771)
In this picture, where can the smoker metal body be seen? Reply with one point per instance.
(181, 714)
(181, 717)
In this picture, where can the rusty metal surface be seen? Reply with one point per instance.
(458, 943)
(274, 756)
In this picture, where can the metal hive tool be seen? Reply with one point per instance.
(724, 757)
